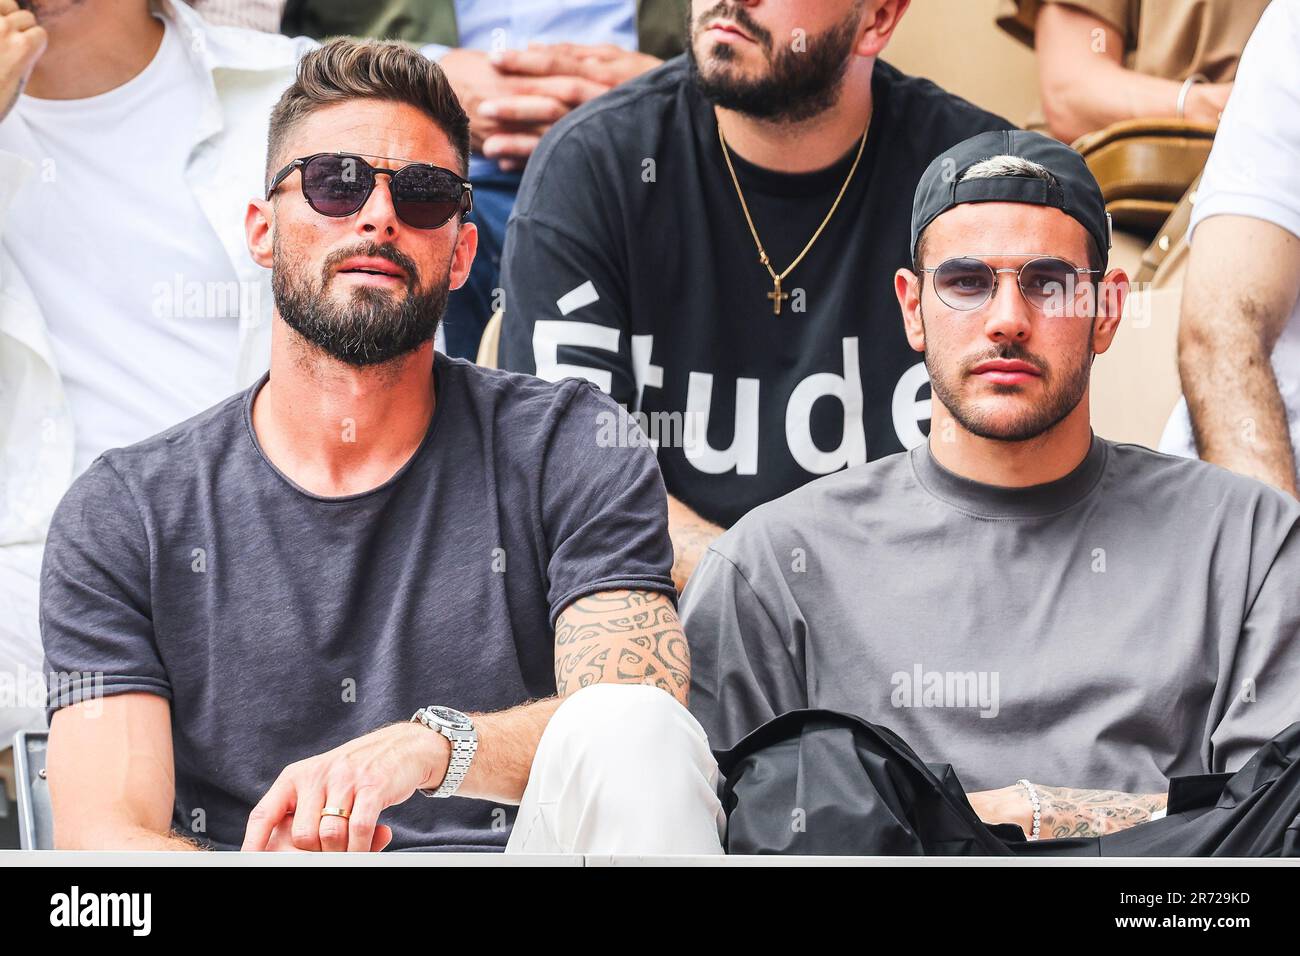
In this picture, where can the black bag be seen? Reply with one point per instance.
(818, 782)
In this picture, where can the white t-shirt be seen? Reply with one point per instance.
(1254, 170)
(139, 296)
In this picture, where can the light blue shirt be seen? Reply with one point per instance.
(513, 24)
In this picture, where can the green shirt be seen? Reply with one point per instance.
(661, 24)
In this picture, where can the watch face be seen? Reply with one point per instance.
(448, 715)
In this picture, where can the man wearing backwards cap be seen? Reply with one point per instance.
(1018, 596)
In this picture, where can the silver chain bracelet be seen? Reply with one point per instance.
(1035, 803)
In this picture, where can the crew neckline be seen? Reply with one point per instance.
(776, 182)
(998, 501)
(438, 371)
(124, 92)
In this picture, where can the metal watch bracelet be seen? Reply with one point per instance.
(460, 733)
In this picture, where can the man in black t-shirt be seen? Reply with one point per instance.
(755, 357)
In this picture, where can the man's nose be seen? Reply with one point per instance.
(378, 215)
(1006, 314)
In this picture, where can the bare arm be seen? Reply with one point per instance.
(1243, 279)
(1085, 86)
(691, 536)
(622, 637)
(1067, 811)
(112, 780)
(611, 637)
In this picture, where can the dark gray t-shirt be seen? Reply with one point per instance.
(1135, 620)
(281, 624)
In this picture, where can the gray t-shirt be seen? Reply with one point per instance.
(1134, 620)
(281, 624)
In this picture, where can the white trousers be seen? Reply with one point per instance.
(621, 769)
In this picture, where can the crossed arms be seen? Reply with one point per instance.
(112, 775)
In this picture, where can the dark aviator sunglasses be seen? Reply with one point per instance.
(338, 184)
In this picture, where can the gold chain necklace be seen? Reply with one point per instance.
(776, 295)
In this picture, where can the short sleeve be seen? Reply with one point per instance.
(1019, 18)
(744, 668)
(604, 507)
(95, 614)
(1260, 680)
(1251, 170)
(565, 300)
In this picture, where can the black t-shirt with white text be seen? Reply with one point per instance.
(631, 265)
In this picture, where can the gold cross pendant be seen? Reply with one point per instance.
(776, 295)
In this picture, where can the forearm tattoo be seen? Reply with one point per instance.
(621, 637)
(1068, 812)
(690, 541)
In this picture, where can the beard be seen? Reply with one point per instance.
(374, 327)
(1060, 400)
(798, 85)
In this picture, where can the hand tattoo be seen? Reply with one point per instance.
(1068, 812)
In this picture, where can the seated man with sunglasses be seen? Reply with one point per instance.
(1068, 621)
(243, 613)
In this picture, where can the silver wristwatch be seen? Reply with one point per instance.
(459, 730)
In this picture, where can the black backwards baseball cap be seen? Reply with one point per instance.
(1075, 191)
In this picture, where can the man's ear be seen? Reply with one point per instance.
(462, 257)
(907, 286)
(1112, 293)
(881, 18)
(259, 231)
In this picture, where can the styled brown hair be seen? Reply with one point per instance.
(351, 69)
